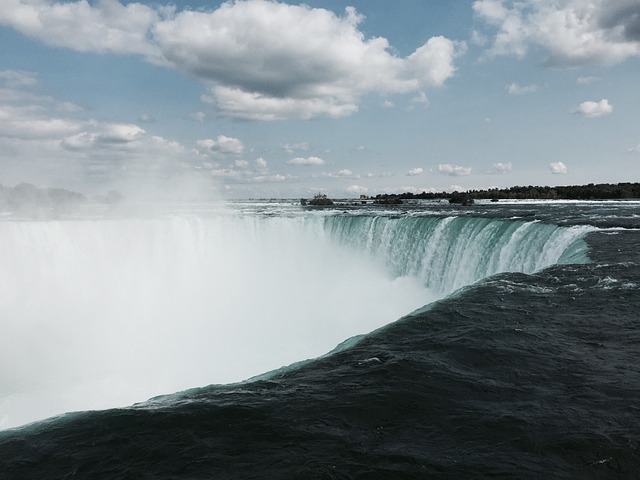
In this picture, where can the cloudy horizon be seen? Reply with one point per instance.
(258, 98)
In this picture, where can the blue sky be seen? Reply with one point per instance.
(285, 99)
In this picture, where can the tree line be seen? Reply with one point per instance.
(600, 191)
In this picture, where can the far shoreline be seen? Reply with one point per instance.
(601, 191)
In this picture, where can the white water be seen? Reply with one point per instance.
(447, 253)
(107, 312)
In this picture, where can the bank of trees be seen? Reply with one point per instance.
(600, 191)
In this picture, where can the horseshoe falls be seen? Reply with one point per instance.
(265, 339)
(104, 312)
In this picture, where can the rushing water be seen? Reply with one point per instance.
(524, 319)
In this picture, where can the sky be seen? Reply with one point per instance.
(274, 99)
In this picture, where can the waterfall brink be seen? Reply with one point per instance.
(448, 253)
(105, 312)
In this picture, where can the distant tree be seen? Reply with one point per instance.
(321, 200)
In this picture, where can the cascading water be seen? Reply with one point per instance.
(106, 312)
(446, 253)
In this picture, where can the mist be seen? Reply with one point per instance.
(105, 312)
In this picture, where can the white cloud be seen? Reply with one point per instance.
(501, 168)
(26, 122)
(222, 145)
(230, 145)
(574, 32)
(415, 171)
(453, 170)
(263, 60)
(306, 161)
(515, 89)
(432, 63)
(594, 109)
(235, 102)
(121, 133)
(271, 60)
(344, 173)
(80, 141)
(558, 168)
(106, 26)
(41, 143)
(357, 190)
(261, 163)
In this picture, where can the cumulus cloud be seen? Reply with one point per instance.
(594, 109)
(558, 168)
(453, 170)
(415, 171)
(515, 89)
(261, 59)
(261, 163)
(121, 133)
(104, 27)
(222, 145)
(306, 161)
(431, 64)
(635, 149)
(574, 32)
(271, 60)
